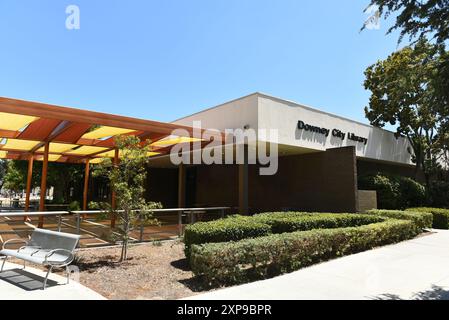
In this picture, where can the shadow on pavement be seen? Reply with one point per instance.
(25, 280)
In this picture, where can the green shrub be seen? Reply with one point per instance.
(74, 206)
(394, 192)
(387, 191)
(265, 257)
(422, 220)
(411, 193)
(294, 221)
(238, 227)
(439, 194)
(230, 229)
(440, 216)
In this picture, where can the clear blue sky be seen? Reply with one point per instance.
(165, 59)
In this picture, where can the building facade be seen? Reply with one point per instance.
(320, 157)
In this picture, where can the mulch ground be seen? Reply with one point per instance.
(153, 271)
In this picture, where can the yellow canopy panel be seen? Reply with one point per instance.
(111, 154)
(51, 157)
(86, 150)
(22, 145)
(14, 122)
(173, 141)
(3, 154)
(59, 147)
(96, 160)
(104, 132)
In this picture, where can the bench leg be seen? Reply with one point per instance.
(67, 270)
(46, 278)
(24, 264)
(3, 264)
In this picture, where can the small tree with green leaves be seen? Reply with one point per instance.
(14, 180)
(127, 179)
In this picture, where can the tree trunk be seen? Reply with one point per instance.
(125, 240)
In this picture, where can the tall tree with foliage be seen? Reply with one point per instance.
(417, 19)
(404, 94)
(14, 179)
(61, 176)
(423, 19)
(127, 180)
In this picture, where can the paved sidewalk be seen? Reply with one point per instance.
(415, 269)
(19, 284)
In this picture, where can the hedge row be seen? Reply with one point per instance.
(260, 258)
(440, 216)
(422, 220)
(238, 227)
(230, 229)
(283, 222)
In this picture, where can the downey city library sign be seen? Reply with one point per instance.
(335, 132)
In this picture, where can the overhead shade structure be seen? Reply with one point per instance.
(51, 157)
(59, 147)
(15, 122)
(111, 154)
(96, 161)
(20, 145)
(75, 135)
(106, 132)
(174, 140)
(86, 151)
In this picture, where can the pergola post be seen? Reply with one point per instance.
(181, 186)
(86, 184)
(28, 187)
(243, 184)
(43, 184)
(113, 195)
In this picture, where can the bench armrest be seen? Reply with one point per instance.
(69, 260)
(14, 240)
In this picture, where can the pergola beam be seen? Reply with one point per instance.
(43, 184)
(29, 183)
(83, 116)
(86, 184)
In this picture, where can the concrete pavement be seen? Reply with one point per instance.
(19, 284)
(415, 269)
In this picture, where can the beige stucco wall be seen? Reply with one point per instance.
(261, 111)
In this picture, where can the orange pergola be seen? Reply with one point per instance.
(34, 131)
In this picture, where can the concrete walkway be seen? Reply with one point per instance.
(19, 284)
(415, 269)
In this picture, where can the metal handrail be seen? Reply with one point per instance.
(58, 214)
(190, 212)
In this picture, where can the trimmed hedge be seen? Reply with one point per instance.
(230, 229)
(422, 220)
(239, 227)
(283, 222)
(265, 257)
(440, 216)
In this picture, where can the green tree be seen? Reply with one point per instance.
(417, 18)
(404, 94)
(14, 179)
(127, 180)
(3, 167)
(61, 176)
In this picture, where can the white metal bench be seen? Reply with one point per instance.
(48, 248)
